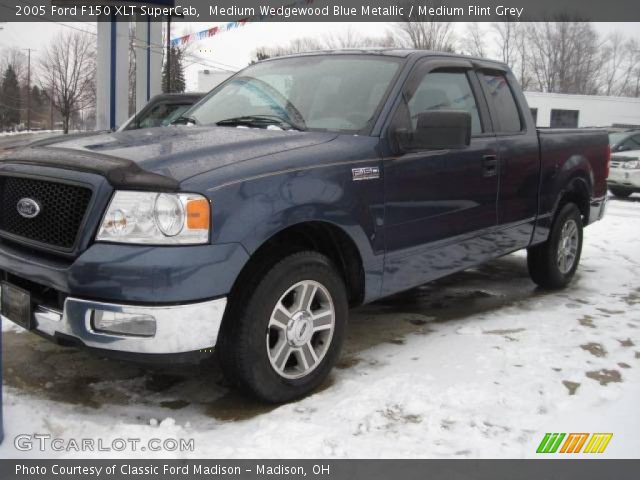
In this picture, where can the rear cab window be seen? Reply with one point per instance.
(502, 102)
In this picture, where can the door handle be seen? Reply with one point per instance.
(489, 165)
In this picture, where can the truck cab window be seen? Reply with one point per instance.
(443, 91)
(501, 97)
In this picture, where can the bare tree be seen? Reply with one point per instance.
(522, 69)
(512, 47)
(506, 32)
(633, 87)
(344, 39)
(68, 74)
(565, 56)
(351, 39)
(473, 42)
(425, 33)
(620, 61)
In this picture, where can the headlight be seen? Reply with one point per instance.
(156, 219)
(631, 164)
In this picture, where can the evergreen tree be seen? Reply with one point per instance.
(9, 98)
(176, 74)
(37, 97)
(39, 107)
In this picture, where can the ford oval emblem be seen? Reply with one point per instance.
(28, 208)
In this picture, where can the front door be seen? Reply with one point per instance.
(439, 203)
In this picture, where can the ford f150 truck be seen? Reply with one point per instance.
(299, 187)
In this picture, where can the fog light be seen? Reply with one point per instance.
(134, 324)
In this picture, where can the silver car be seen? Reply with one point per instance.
(624, 177)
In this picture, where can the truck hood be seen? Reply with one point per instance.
(176, 152)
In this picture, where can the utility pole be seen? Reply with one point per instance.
(51, 110)
(29, 88)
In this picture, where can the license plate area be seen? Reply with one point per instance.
(15, 304)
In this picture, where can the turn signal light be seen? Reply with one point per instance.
(198, 214)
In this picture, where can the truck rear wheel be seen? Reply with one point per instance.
(620, 192)
(553, 264)
(286, 328)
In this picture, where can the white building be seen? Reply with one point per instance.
(559, 110)
(208, 79)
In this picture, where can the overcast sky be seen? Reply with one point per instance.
(233, 49)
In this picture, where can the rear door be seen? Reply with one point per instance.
(439, 203)
(519, 158)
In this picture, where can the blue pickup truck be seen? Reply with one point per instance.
(298, 188)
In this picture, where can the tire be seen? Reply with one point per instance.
(263, 351)
(620, 192)
(545, 263)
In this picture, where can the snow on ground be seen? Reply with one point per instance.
(28, 132)
(481, 364)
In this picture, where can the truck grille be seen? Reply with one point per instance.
(617, 161)
(62, 209)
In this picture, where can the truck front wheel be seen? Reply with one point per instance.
(286, 328)
(553, 263)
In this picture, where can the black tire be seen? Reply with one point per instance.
(620, 192)
(242, 345)
(542, 259)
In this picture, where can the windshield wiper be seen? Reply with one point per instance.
(260, 121)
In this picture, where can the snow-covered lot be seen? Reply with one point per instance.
(480, 364)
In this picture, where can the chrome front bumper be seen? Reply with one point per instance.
(179, 328)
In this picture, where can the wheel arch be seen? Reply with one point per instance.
(323, 237)
(577, 190)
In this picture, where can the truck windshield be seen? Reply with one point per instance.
(340, 93)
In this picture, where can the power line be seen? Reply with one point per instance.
(159, 48)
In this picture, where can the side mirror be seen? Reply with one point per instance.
(438, 130)
(623, 148)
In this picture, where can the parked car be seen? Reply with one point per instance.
(624, 178)
(304, 185)
(161, 110)
(624, 141)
